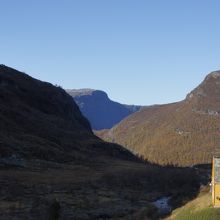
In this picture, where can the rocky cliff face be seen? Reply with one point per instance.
(102, 112)
(206, 97)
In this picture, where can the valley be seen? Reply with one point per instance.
(109, 110)
(52, 166)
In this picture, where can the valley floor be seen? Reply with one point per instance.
(71, 192)
(118, 189)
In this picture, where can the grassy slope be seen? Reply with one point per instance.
(198, 209)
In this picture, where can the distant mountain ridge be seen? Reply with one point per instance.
(102, 112)
(183, 133)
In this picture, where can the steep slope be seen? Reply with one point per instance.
(38, 120)
(53, 167)
(102, 112)
(183, 133)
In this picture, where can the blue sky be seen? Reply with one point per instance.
(138, 51)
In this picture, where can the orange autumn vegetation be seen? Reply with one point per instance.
(183, 133)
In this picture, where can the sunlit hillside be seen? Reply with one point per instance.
(183, 133)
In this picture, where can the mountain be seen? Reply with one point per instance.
(52, 166)
(102, 112)
(183, 133)
(41, 121)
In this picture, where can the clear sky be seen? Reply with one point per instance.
(138, 51)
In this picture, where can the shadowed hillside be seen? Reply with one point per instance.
(53, 167)
(39, 120)
(99, 109)
(183, 133)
